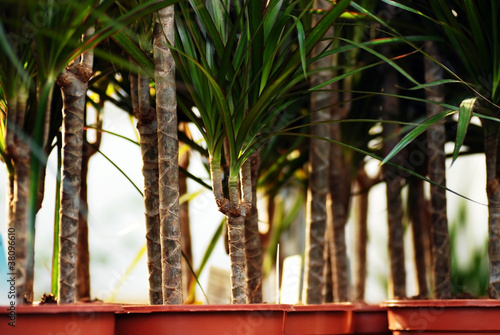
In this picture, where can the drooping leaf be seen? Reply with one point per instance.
(464, 116)
(415, 133)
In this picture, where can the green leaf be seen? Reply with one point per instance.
(415, 133)
(436, 83)
(464, 117)
(134, 51)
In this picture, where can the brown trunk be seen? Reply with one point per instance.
(236, 234)
(147, 128)
(168, 156)
(491, 149)
(364, 184)
(187, 275)
(253, 247)
(339, 186)
(436, 137)
(73, 82)
(394, 183)
(82, 281)
(329, 297)
(319, 154)
(418, 208)
(83, 256)
(19, 153)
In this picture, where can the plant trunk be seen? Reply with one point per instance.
(188, 277)
(147, 128)
(236, 235)
(364, 184)
(394, 183)
(339, 184)
(319, 157)
(82, 280)
(83, 256)
(18, 151)
(491, 149)
(253, 246)
(418, 208)
(73, 82)
(436, 138)
(168, 156)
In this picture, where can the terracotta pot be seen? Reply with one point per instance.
(371, 319)
(258, 319)
(88, 318)
(327, 319)
(464, 317)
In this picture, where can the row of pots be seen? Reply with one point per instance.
(395, 317)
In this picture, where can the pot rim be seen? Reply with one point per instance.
(480, 302)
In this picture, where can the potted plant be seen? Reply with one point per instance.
(469, 30)
(248, 68)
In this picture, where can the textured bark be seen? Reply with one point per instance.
(436, 138)
(187, 276)
(339, 185)
(418, 208)
(18, 152)
(148, 134)
(168, 152)
(82, 280)
(364, 183)
(316, 214)
(236, 235)
(491, 149)
(73, 82)
(83, 256)
(394, 183)
(253, 246)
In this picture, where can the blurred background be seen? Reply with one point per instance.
(117, 229)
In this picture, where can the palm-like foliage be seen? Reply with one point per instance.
(32, 60)
(240, 61)
(469, 48)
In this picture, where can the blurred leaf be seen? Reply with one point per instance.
(464, 117)
(415, 133)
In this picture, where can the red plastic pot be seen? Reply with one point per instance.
(371, 319)
(258, 319)
(88, 318)
(432, 317)
(327, 319)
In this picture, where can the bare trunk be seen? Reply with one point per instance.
(148, 133)
(235, 210)
(394, 183)
(491, 149)
(339, 185)
(417, 207)
(73, 82)
(82, 280)
(188, 277)
(364, 184)
(83, 255)
(17, 149)
(436, 136)
(253, 246)
(316, 215)
(236, 233)
(168, 152)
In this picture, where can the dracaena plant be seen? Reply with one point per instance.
(35, 55)
(466, 49)
(240, 61)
